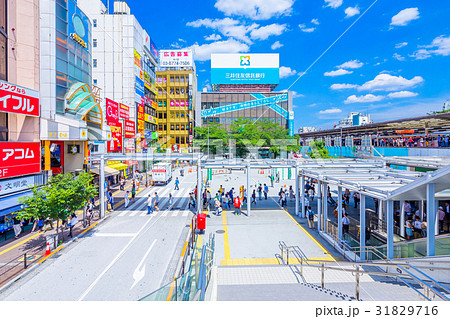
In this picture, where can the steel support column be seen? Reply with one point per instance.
(390, 228)
(297, 191)
(199, 186)
(302, 195)
(102, 186)
(325, 207)
(362, 225)
(248, 189)
(402, 218)
(319, 204)
(339, 200)
(431, 219)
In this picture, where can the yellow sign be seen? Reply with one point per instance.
(150, 119)
(137, 58)
(79, 40)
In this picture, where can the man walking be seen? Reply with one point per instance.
(127, 199)
(254, 197)
(345, 223)
(266, 190)
(72, 223)
(156, 202)
(149, 205)
(260, 192)
(111, 200)
(177, 182)
(237, 205)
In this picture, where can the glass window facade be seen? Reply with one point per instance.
(73, 51)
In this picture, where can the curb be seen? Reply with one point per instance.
(38, 263)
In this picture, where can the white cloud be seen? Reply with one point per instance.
(387, 82)
(337, 72)
(401, 45)
(343, 86)
(364, 98)
(333, 110)
(315, 21)
(203, 52)
(213, 37)
(305, 29)
(276, 45)
(286, 72)
(255, 9)
(264, 32)
(228, 27)
(402, 94)
(405, 16)
(296, 94)
(398, 57)
(352, 64)
(181, 40)
(439, 46)
(333, 3)
(351, 11)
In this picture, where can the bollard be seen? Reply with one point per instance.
(357, 283)
(25, 261)
(323, 275)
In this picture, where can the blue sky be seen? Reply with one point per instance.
(393, 62)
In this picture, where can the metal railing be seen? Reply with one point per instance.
(429, 291)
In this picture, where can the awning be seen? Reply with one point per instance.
(108, 171)
(118, 166)
(10, 204)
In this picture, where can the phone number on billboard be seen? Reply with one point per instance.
(175, 63)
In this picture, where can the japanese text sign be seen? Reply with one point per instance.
(130, 129)
(17, 99)
(124, 112)
(19, 159)
(112, 112)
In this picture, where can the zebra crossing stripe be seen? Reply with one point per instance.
(123, 213)
(134, 213)
(174, 214)
(143, 214)
(165, 213)
(186, 212)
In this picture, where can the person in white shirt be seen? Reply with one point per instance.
(345, 223)
(72, 223)
(127, 199)
(149, 204)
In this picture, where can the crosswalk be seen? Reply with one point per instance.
(163, 213)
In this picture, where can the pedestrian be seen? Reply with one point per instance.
(347, 196)
(291, 193)
(133, 192)
(283, 199)
(237, 205)
(41, 224)
(311, 193)
(170, 202)
(138, 182)
(17, 227)
(149, 204)
(345, 223)
(409, 229)
(244, 201)
(417, 228)
(254, 197)
(73, 222)
(310, 215)
(111, 200)
(127, 199)
(271, 180)
(231, 193)
(208, 199)
(216, 206)
(122, 184)
(177, 182)
(266, 190)
(260, 192)
(191, 200)
(156, 205)
(278, 177)
(441, 216)
(226, 201)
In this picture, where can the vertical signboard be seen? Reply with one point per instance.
(116, 144)
(141, 118)
(124, 112)
(130, 129)
(112, 112)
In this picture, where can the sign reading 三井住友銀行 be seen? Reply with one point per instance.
(79, 25)
(175, 58)
(246, 68)
(19, 159)
(19, 100)
(269, 101)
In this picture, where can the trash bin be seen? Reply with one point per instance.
(201, 222)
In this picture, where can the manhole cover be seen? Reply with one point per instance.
(220, 231)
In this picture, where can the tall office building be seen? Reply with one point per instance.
(177, 85)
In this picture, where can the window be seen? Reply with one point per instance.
(182, 140)
(165, 115)
(177, 114)
(3, 126)
(94, 43)
(177, 91)
(160, 127)
(160, 115)
(94, 63)
(160, 93)
(177, 140)
(94, 81)
(165, 127)
(177, 127)
(182, 127)
(171, 127)
(182, 114)
(94, 22)
(172, 91)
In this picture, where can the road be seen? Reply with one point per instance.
(126, 257)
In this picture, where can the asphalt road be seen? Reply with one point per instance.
(127, 257)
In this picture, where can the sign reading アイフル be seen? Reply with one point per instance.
(19, 159)
(17, 99)
(175, 58)
(112, 112)
(245, 68)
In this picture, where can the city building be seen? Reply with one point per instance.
(70, 111)
(177, 86)
(243, 86)
(355, 119)
(20, 148)
(307, 129)
(124, 63)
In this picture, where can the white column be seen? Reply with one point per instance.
(302, 195)
(390, 229)
(431, 219)
(325, 207)
(297, 191)
(248, 189)
(380, 214)
(402, 218)
(319, 204)
(362, 225)
(199, 186)
(102, 186)
(421, 205)
(339, 212)
(436, 205)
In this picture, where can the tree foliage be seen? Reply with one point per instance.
(318, 150)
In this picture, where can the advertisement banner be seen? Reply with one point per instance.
(137, 59)
(130, 129)
(124, 112)
(116, 144)
(15, 185)
(153, 49)
(154, 104)
(175, 58)
(141, 125)
(17, 99)
(150, 119)
(139, 90)
(112, 112)
(19, 159)
(79, 25)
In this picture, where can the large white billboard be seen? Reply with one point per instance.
(245, 60)
(175, 58)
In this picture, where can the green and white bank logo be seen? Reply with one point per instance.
(245, 60)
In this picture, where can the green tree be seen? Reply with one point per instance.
(318, 150)
(216, 133)
(62, 196)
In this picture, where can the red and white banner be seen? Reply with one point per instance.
(130, 129)
(17, 99)
(19, 159)
(112, 112)
(124, 112)
(116, 144)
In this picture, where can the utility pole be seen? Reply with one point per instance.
(208, 142)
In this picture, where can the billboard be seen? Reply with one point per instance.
(130, 129)
(112, 112)
(17, 99)
(245, 68)
(175, 58)
(116, 144)
(79, 25)
(19, 159)
(124, 112)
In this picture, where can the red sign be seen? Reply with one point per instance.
(130, 129)
(116, 144)
(17, 99)
(404, 131)
(112, 112)
(19, 159)
(124, 112)
(141, 118)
